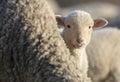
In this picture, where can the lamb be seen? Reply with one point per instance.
(77, 31)
(103, 55)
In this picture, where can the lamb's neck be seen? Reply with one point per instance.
(81, 59)
(77, 52)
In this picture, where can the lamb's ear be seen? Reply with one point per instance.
(100, 23)
(60, 19)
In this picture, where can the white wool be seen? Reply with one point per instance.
(103, 54)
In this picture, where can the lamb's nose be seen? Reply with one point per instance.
(79, 40)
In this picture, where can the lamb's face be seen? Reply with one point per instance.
(78, 27)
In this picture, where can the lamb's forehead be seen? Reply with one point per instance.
(80, 16)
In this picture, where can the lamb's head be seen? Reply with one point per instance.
(78, 27)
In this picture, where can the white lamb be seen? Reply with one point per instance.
(77, 31)
(104, 55)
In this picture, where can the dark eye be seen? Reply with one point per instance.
(90, 27)
(68, 26)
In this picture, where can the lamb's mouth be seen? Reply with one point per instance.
(78, 45)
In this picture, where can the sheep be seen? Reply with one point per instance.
(77, 31)
(103, 55)
(31, 48)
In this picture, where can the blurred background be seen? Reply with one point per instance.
(109, 9)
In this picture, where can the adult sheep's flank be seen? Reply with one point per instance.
(77, 31)
(104, 55)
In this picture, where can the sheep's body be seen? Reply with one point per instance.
(103, 54)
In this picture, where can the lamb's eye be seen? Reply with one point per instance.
(90, 27)
(68, 26)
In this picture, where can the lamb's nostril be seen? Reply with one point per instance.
(79, 40)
